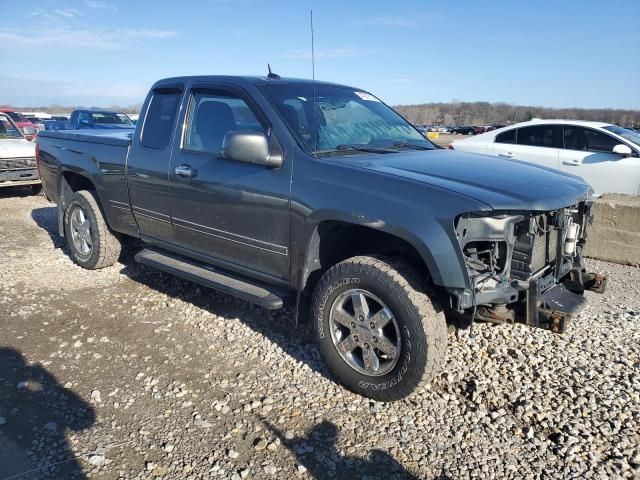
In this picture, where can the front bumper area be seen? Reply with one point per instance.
(551, 305)
(19, 176)
(525, 267)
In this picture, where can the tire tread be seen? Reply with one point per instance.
(421, 297)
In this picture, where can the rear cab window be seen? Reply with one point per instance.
(160, 118)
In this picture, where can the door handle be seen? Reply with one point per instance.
(183, 171)
(572, 163)
(506, 155)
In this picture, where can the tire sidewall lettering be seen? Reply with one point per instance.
(325, 304)
(397, 378)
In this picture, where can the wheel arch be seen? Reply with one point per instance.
(332, 241)
(69, 183)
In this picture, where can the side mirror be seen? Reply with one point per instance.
(249, 147)
(28, 131)
(84, 121)
(622, 149)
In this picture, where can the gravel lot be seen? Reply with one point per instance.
(130, 373)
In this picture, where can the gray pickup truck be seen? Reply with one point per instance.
(280, 190)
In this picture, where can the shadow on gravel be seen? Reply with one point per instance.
(318, 453)
(279, 326)
(35, 412)
(7, 192)
(47, 219)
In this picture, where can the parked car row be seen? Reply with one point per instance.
(606, 156)
(459, 129)
(79, 119)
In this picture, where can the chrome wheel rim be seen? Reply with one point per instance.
(365, 332)
(81, 232)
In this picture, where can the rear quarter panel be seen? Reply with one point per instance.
(102, 164)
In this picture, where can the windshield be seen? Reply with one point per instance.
(8, 129)
(625, 133)
(343, 119)
(17, 117)
(110, 118)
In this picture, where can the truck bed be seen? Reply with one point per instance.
(121, 138)
(98, 156)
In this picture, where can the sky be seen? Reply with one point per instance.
(571, 53)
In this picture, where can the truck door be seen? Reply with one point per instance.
(236, 214)
(148, 163)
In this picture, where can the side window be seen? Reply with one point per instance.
(540, 136)
(507, 137)
(84, 118)
(599, 142)
(160, 118)
(212, 115)
(574, 138)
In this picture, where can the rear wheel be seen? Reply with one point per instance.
(91, 243)
(378, 329)
(36, 189)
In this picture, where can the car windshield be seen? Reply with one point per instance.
(343, 120)
(8, 129)
(110, 118)
(625, 133)
(17, 117)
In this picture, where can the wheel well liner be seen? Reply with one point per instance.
(69, 183)
(334, 241)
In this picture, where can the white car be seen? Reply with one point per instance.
(606, 156)
(17, 157)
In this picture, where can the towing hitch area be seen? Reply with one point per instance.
(551, 308)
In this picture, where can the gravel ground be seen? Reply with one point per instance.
(130, 373)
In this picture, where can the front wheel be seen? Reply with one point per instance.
(378, 329)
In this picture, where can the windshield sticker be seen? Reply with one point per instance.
(366, 96)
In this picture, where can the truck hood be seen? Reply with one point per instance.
(500, 183)
(18, 147)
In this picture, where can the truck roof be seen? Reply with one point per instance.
(240, 79)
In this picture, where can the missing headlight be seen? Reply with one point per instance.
(487, 246)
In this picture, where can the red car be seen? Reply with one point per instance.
(21, 122)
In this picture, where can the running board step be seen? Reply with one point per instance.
(209, 277)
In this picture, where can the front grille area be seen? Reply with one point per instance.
(14, 163)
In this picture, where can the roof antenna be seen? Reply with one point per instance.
(313, 79)
(271, 74)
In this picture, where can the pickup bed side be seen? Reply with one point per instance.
(73, 160)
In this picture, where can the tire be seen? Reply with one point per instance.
(416, 321)
(36, 189)
(84, 226)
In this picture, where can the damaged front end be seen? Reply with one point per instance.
(525, 266)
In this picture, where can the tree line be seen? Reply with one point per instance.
(453, 113)
(485, 113)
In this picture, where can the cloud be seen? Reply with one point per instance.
(96, 4)
(323, 53)
(102, 39)
(43, 91)
(68, 12)
(383, 21)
